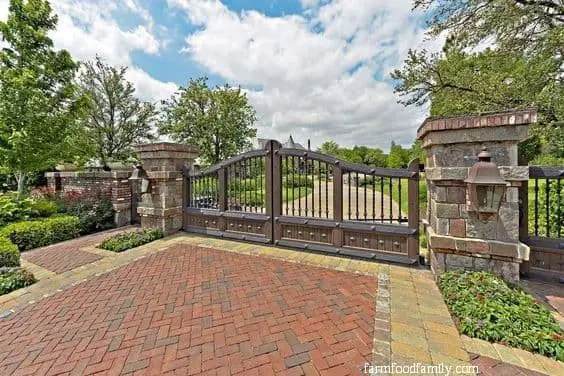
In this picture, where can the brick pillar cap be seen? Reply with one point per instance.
(165, 146)
(490, 119)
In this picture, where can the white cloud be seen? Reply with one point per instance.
(88, 28)
(317, 74)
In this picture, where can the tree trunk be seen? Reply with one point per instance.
(20, 178)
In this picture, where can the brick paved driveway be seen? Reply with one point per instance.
(190, 310)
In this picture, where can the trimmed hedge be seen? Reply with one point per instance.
(34, 234)
(488, 308)
(15, 279)
(9, 254)
(123, 242)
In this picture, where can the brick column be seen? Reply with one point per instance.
(162, 207)
(457, 238)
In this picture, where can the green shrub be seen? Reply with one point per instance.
(13, 209)
(14, 280)
(122, 242)
(28, 235)
(488, 308)
(297, 180)
(44, 208)
(33, 234)
(9, 254)
(93, 216)
(64, 227)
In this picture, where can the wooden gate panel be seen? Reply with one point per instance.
(296, 198)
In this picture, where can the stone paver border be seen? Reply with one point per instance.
(405, 332)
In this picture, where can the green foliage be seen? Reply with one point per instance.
(94, 216)
(13, 209)
(38, 104)
(9, 254)
(297, 180)
(488, 308)
(398, 157)
(555, 208)
(15, 279)
(217, 120)
(523, 69)
(115, 119)
(33, 234)
(122, 242)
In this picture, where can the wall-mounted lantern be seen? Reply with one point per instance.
(486, 187)
(139, 174)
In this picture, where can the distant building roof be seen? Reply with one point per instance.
(290, 144)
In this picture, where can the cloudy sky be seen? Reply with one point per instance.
(317, 69)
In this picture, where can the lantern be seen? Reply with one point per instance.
(486, 187)
(139, 174)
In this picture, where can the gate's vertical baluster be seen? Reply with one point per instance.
(254, 177)
(287, 178)
(559, 224)
(390, 200)
(382, 199)
(293, 185)
(262, 176)
(364, 182)
(399, 203)
(349, 182)
(547, 193)
(373, 198)
(319, 180)
(299, 188)
(326, 189)
(356, 184)
(306, 184)
(536, 207)
(191, 184)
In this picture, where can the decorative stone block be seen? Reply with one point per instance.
(458, 261)
(441, 242)
(457, 227)
(456, 195)
(477, 246)
(446, 210)
(503, 249)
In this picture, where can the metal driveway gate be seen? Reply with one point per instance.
(307, 200)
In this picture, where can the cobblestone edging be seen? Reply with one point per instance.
(382, 350)
(516, 357)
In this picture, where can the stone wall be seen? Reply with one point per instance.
(457, 237)
(111, 185)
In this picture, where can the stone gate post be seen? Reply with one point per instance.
(162, 206)
(457, 238)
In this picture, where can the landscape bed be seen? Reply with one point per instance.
(123, 242)
(488, 308)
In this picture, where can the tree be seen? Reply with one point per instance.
(329, 148)
(523, 68)
(398, 157)
(37, 97)
(115, 119)
(217, 120)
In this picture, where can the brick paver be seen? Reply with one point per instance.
(65, 256)
(195, 310)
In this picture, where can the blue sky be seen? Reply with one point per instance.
(315, 69)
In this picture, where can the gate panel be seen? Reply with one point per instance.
(228, 199)
(307, 200)
(338, 207)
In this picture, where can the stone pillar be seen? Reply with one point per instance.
(457, 238)
(162, 207)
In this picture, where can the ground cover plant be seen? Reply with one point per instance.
(14, 209)
(123, 242)
(14, 279)
(487, 307)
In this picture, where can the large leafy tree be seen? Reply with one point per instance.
(37, 96)
(523, 66)
(114, 118)
(217, 120)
